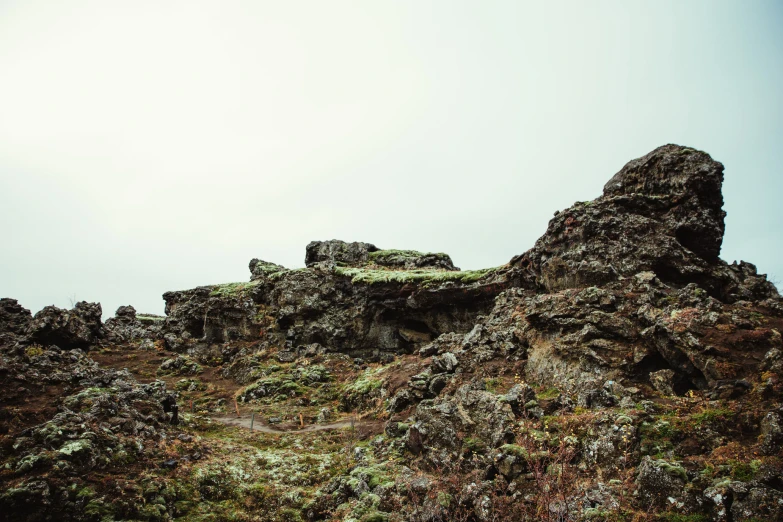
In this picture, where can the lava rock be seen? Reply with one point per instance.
(79, 327)
(336, 251)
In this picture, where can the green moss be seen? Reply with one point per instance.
(672, 469)
(268, 269)
(745, 471)
(678, 517)
(232, 289)
(75, 447)
(98, 509)
(422, 276)
(365, 383)
(85, 492)
(493, 384)
(281, 386)
(711, 416)
(474, 445)
(373, 476)
(549, 393)
(515, 450)
(399, 257)
(312, 374)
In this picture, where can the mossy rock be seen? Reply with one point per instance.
(233, 290)
(361, 392)
(423, 277)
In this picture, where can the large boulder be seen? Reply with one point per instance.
(410, 260)
(261, 270)
(127, 325)
(690, 181)
(443, 425)
(338, 252)
(661, 213)
(79, 327)
(660, 480)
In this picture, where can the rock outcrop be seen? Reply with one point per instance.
(619, 369)
(14, 319)
(127, 325)
(353, 298)
(661, 213)
(79, 327)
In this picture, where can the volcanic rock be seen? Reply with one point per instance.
(76, 328)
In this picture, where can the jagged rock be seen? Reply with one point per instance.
(76, 328)
(663, 381)
(659, 480)
(125, 314)
(369, 312)
(596, 398)
(14, 320)
(469, 412)
(261, 270)
(180, 365)
(511, 460)
(772, 433)
(691, 178)
(410, 260)
(335, 251)
(610, 441)
(661, 213)
(103, 421)
(436, 384)
(127, 325)
(212, 314)
(324, 415)
(402, 399)
(286, 357)
(757, 503)
(518, 396)
(445, 363)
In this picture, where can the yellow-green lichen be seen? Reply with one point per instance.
(424, 277)
(232, 289)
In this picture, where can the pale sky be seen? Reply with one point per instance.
(154, 146)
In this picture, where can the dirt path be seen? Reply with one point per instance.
(244, 422)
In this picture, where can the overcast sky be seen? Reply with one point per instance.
(154, 146)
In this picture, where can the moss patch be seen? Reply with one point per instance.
(232, 289)
(422, 276)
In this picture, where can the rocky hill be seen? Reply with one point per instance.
(618, 370)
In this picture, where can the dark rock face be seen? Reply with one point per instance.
(379, 307)
(76, 328)
(335, 251)
(263, 269)
(410, 260)
(659, 480)
(126, 325)
(442, 424)
(14, 318)
(340, 253)
(661, 213)
(691, 180)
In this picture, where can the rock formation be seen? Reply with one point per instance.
(617, 370)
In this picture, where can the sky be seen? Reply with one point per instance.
(155, 146)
